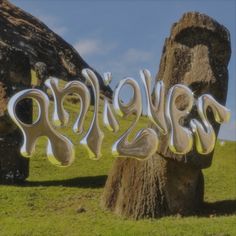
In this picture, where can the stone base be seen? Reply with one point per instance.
(13, 167)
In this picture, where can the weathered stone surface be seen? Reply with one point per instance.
(15, 76)
(41, 74)
(46, 53)
(196, 54)
(23, 31)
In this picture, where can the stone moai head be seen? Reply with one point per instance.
(41, 72)
(196, 54)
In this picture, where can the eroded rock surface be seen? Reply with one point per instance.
(23, 31)
(26, 43)
(15, 76)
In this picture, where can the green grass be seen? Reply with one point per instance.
(48, 203)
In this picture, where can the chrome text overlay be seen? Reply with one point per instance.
(162, 110)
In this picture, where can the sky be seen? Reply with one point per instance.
(123, 37)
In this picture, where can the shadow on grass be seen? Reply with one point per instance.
(80, 182)
(214, 209)
(219, 208)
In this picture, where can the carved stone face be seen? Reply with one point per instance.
(198, 59)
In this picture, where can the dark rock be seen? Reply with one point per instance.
(26, 43)
(15, 76)
(41, 74)
(23, 31)
(81, 209)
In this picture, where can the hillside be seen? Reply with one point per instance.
(66, 201)
(23, 31)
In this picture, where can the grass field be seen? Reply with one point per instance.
(65, 201)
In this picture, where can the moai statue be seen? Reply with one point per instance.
(196, 54)
(42, 74)
(14, 76)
